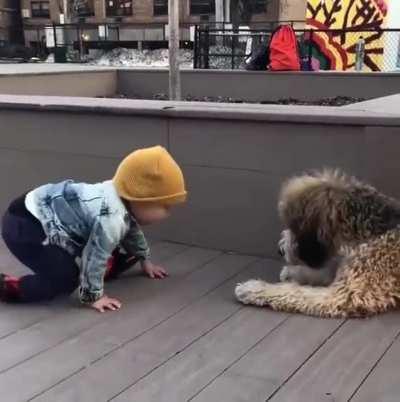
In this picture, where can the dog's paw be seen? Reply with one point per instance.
(251, 292)
(285, 275)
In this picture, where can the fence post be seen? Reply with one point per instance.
(80, 43)
(55, 36)
(39, 50)
(195, 50)
(310, 45)
(207, 48)
(360, 52)
(233, 50)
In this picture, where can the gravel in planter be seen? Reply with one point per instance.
(333, 101)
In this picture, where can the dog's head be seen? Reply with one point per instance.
(309, 209)
(303, 250)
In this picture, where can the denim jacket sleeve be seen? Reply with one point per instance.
(105, 235)
(135, 243)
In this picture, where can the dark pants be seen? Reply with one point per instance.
(55, 270)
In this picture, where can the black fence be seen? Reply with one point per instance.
(72, 42)
(343, 50)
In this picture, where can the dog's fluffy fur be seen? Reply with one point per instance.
(347, 235)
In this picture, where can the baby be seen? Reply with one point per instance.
(67, 232)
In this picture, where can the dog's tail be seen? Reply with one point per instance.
(335, 301)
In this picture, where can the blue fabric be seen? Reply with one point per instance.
(88, 221)
(56, 272)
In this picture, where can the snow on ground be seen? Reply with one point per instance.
(159, 58)
(219, 58)
(141, 58)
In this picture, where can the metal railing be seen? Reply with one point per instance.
(319, 49)
(77, 38)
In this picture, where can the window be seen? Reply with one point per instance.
(160, 7)
(83, 8)
(199, 7)
(119, 8)
(40, 9)
(260, 7)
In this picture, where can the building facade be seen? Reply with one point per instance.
(141, 20)
(10, 24)
(128, 11)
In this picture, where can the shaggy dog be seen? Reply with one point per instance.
(343, 245)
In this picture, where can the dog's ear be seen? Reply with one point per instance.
(311, 250)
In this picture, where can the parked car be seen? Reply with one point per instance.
(15, 52)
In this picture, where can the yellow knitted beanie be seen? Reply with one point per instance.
(150, 175)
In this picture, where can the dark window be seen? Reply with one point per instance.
(160, 7)
(260, 7)
(119, 8)
(40, 9)
(199, 7)
(83, 8)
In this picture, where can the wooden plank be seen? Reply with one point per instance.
(264, 369)
(139, 357)
(12, 317)
(16, 317)
(382, 385)
(45, 370)
(337, 369)
(187, 373)
(70, 322)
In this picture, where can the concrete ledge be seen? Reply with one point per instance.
(234, 157)
(390, 105)
(65, 83)
(263, 85)
(70, 80)
(202, 110)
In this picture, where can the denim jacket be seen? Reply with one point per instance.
(89, 221)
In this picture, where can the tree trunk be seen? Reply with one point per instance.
(66, 11)
(219, 11)
(173, 50)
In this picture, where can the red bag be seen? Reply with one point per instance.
(284, 54)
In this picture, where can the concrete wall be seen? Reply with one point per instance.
(258, 86)
(94, 83)
(254, 86)
(234, 157)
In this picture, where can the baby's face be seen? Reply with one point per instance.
(149, 213)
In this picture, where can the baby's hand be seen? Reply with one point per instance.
(153, 271)
(106, 303)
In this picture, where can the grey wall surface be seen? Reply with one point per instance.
(93, 83)
(259, 86)
(234, 163)
(252, 86)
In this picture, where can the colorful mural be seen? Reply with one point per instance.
(337, 50)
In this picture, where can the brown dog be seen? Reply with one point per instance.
(348, 236)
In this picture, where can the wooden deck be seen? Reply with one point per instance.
(186, 339)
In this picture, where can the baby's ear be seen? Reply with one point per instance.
(311, 250)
